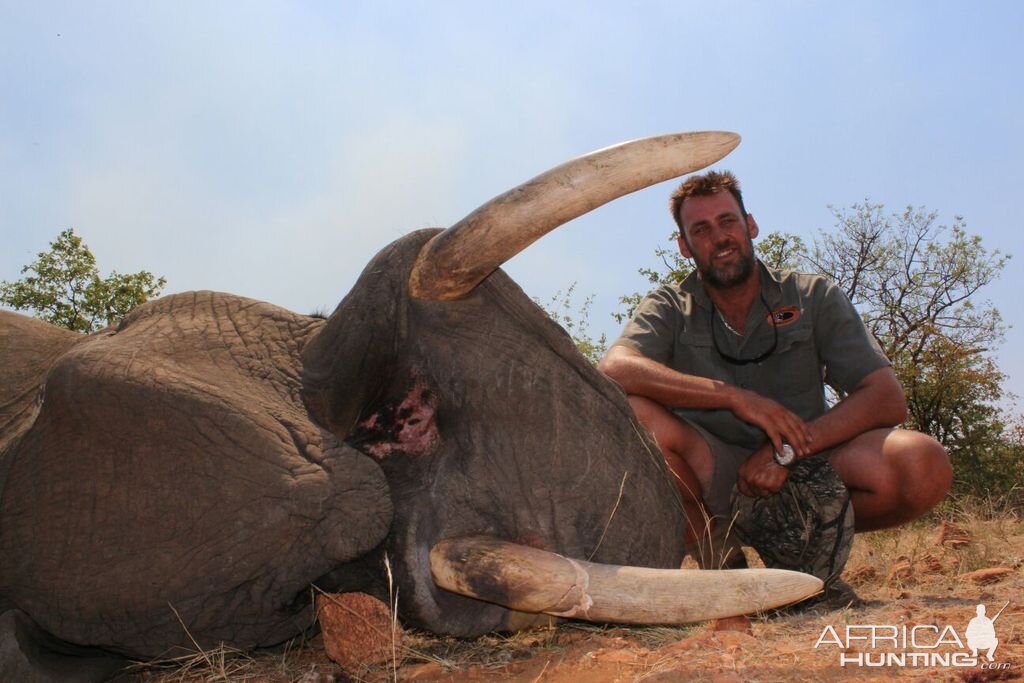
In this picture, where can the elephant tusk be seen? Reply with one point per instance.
(458, 259)
(526, 579)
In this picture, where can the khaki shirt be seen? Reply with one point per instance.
(822, 339)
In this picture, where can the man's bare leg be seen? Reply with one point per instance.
(894, 476)
(688, 457)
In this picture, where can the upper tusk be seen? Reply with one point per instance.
(458, 259)
(526, 579)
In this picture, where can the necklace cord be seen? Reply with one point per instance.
(745, 361)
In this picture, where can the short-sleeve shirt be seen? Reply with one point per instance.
(821, 339)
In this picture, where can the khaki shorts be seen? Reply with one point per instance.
(727, 459)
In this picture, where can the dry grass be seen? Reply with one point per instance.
(905, 576)
(293, 663)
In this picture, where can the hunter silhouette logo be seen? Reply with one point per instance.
(927, 645)
(981, 633)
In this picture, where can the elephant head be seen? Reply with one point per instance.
(189, 474)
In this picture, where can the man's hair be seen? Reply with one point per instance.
(705, 185)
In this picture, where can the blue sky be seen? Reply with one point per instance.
(270, 149)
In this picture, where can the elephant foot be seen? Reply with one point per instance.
(30, 655)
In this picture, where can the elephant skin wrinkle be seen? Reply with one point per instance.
(177, 466)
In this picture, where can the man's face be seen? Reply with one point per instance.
(718, 238)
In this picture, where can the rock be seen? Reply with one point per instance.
(986, 576)
(929, 564)
(358, 630)
(740, 623)
(952, 535)
(901, 570)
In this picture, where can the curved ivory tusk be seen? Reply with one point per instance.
(458, 259)
(531, 580)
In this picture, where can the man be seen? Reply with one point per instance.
(727, 370)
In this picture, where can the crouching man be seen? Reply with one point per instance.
(727, 370)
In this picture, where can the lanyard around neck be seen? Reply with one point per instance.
(745, 361)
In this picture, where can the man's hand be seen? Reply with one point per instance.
(778, 422)
(760, 475)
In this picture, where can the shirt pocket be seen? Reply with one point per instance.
(695, 354)
(796, 368)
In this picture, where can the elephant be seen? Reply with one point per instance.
(184, 478)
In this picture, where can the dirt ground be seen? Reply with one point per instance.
(926, 575)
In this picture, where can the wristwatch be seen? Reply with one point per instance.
(787, 457)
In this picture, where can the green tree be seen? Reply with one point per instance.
(781, 250)
(576, 320)
(674, 269)
(917, 284)
(63, 287)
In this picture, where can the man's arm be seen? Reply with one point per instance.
(642, 376)
(854, 362)
(877, 401)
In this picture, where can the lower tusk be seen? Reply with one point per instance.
(526, 579)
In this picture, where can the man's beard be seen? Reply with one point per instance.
(726, 278)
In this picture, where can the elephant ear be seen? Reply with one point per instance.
(29, 347)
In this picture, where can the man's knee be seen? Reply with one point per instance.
(646, 410)
(671, 433)
(925, 472)
(894, 476)
(685, 451)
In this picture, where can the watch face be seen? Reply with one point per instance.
(786, 457)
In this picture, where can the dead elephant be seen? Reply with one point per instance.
(190, 474)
